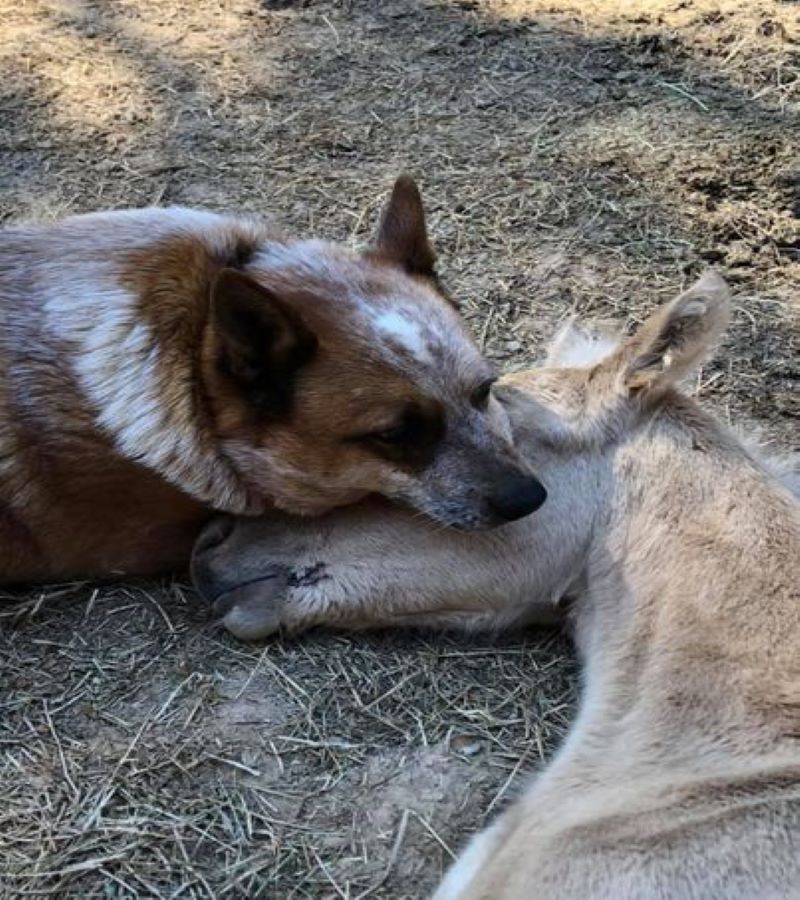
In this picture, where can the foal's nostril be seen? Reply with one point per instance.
(216, 533)
(517, 497)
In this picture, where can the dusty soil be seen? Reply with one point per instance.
(575, 157)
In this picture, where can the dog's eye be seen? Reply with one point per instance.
(396, 435)
(403, 432)
(412, 440)
(480, 396)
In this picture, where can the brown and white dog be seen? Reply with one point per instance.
(158, 364)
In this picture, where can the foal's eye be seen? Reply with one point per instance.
(480, 396)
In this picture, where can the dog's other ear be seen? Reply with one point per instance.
(676, 338)
(260, 339)
(402, 237)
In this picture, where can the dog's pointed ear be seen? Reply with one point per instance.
(676, 338)
(402, 237)
(261, 341)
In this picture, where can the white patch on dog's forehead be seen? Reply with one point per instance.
(424, 338)
(406, 322)
(398, 326)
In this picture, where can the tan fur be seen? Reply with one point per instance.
(679, 550)
(159, 364)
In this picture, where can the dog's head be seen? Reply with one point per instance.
(334, 375)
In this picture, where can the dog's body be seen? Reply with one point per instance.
(81, 396)
(159, 364)
(680, 549)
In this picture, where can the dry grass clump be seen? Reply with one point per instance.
(145, 754)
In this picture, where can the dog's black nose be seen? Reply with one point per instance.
(517, 497)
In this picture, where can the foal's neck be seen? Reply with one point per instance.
(691, 620)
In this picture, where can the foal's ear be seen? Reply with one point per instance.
(677, 337)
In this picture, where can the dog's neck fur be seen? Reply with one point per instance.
(120, 349)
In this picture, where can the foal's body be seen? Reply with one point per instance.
(681, 776)
(680, 779)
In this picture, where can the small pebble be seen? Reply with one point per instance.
(465, 744)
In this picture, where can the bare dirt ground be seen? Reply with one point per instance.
(576, 156)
